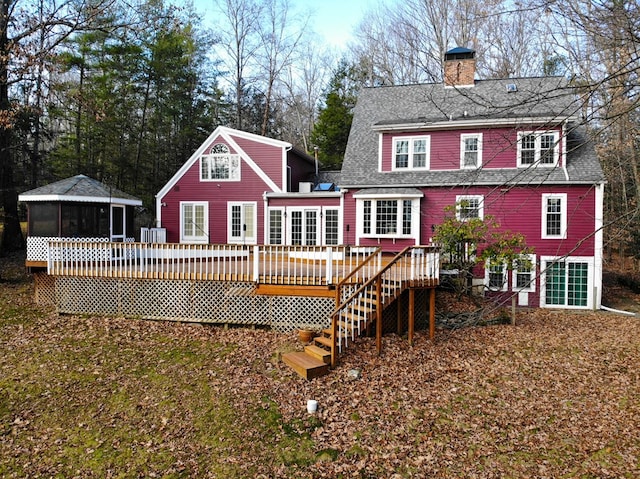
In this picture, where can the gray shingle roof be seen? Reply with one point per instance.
(79, 186)
(489, 102)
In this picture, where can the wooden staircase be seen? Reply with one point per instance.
(362, 310)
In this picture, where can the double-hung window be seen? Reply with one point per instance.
(469, 207)
(411, 153)
(496, 276)
(471, 150)
(554, 216)
(387, 217)
(538, 148)
(524, 274)
(219, 165)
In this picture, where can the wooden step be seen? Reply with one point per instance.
(318, 353)
(323, 340)
(305, 365)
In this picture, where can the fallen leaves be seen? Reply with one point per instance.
(557, 395)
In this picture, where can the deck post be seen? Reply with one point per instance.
(256, 263)
(329, 265)
(399, 317)
(432, 314)
(379, 315)
(412, 314)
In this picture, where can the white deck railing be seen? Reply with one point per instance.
(38, 246)
(266, 264)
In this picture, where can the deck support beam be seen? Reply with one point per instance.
(412, 314)
(379, 315)
(432, 314)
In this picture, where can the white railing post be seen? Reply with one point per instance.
(329, 265)
(256, 263)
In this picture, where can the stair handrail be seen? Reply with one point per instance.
(374, 255)
(375, 278)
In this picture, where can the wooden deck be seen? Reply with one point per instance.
(361, 282)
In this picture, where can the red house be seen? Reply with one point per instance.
(248, 189)
(513, 149)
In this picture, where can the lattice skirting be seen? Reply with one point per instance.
(195, 301)
(45, 289)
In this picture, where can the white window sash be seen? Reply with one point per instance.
(411, 152)
(463, 198)
(545, 215)
(463, 150)
(537, 161)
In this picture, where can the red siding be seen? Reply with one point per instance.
(218, 193)
(304, 202)
(499, 148)
(267, 157)
(518, 209)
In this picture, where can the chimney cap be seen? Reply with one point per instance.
(459, 53)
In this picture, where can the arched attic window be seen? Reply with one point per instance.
(219, 164)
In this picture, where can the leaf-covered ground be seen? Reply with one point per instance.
(557, 395)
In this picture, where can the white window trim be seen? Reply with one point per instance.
(242, 239)
(234, 174)
(460, 198)
(415, 217)
(537, 154)
(324, 224)
(569, 259)
(411, 139)
(514, 277)
(505, 283)
(464, 137)
(563, 215)
(204, 238)
(283, 220)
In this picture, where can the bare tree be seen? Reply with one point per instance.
(304, 81)
(279, 41)
(239, 31)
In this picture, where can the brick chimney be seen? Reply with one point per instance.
(459, 67)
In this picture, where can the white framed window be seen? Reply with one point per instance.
(539, 148)
(411, 152)
(554, 216)
(276, 226)
(241, 222)
(194, 222)
(495, 275)
(471, 151)
(524, 274)
(331, 226)
(219, 165)
(469, 207)
(567, 282)
(393, 217)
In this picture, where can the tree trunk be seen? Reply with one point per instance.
(12, 239)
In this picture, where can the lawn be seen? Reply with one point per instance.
(557, 395)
